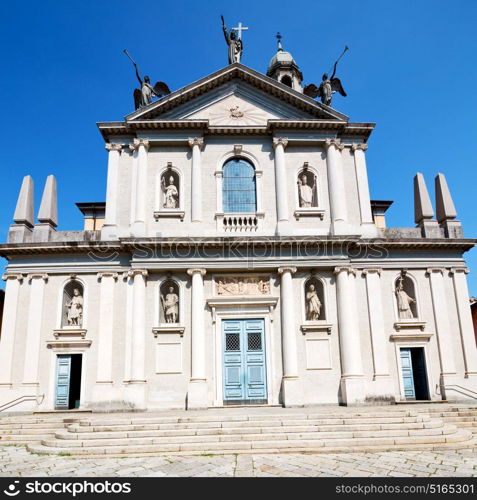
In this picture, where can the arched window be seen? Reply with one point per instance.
(405, 297)
(170, 189)
(286, 80)
(169, 297)
(73, 305)
(314, 300)
(307, 189)
(238, 189)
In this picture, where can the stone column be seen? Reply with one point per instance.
(196, 144)
(367, 221)
(139, 225)
(336, 186)
(280, 143)
(137, 385)
(292, 387)
(9, 324)
(465, 320)
(33, 336)
(104, 375)
(376, 326)
(110, 229)
(197, 392)
(443, 328)
(352, 386)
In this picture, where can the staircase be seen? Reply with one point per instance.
(21, 430)
(462, 417)
(266, 430)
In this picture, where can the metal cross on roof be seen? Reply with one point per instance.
(239, 29)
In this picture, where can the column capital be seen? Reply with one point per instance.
(12, 276)
(113, 146)
(134, 272)
(108, 274)
(197, 270)
(372, 270)
(196, 141)
(334, 142)
(341, 269)
(463, 269)
(32, 276)
(435, 270)
(139, 142)
(361, 146)
(280, 140)
(287, 269)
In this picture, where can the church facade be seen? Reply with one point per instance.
(238, 259)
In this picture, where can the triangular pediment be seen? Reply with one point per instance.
(236, 96)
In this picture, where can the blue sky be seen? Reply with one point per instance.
(411, 69)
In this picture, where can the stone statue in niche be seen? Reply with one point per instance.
(313, 304)
(252, 285)
(307, 190)
(171, 193)
(170, 305)
(404, 301)
(74, 309)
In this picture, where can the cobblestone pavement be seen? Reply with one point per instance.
(16, 461)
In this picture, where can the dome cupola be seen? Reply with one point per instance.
(282, 67)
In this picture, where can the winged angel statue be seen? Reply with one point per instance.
(328, 86)
(144, 95)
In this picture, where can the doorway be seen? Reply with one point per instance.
(68, 381)
(244, 362)
(414, 374)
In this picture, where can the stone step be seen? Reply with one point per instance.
(22, 425)
(311, 435)
(152, 425)
(77, 432)
(262, 446)
(252, 418)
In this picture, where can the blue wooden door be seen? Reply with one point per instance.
(244, 360)
(63, 375)
(407, 374)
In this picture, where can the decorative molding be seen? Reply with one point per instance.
(13, 276)
(132, 272)
(162, 330)
(348, 269)
(193, 271)
(316, 327)
(280, 140)
(113, 146)
(287, 269)
(334, 142)
(462, 269)
(107, 274)
(238, 149)
(370, 270)
(400, 325)
(361, 146)
(242, 285)
(431, 270)
(309, 212)
(68, 344)
(32, 276)
(242, 301)
(406, 337)
(139, 142)
(170, 213)
(62, 332)
(196, 141)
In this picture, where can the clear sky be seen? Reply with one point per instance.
(411, 69)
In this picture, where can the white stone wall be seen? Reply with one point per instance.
(318, 352)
